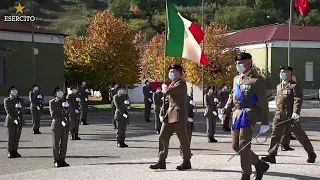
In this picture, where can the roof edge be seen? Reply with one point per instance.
(27, 31)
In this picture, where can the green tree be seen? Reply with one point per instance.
(264, 4)
(121, 8)
(311, 19)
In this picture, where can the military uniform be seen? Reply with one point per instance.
(14, 121)
(157, 99)
(84, 92)
(74, 101)
(147, 94)
(60, 127)
(211, 115)
(36, 100)
(175, 120)
(289, 102)
(249, 98)
(121, 116)
(113, 92)
(223, 97)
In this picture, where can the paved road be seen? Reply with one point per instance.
(97, 157)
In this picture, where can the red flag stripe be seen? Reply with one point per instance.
(197, 32)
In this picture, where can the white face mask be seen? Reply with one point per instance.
(84, 83)
(240, 68)
(147, 83)
(225, 88)
(14, 92)
(171, 76)
(74, 91)
(210, 90)
(36, 89)
(60, 94)
(121, 92)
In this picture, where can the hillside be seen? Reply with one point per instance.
(148, 16)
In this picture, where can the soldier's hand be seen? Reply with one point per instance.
(161, 118)
(125, 116)
(215, 113)
(190, 119)
(216, 100)
(295, 116)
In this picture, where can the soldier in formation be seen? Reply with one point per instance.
(113, 92)
(13, 105)
(249, 97)
(74, 101)
(36, 107)
(58, 108)
(289, 102)
(84, 94)
(147, 94)
(223, 97)
(211, 113)
(191, 117)
(157, 99)
(175, 120)
(121, 116)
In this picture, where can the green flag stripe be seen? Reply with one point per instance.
(175, 32)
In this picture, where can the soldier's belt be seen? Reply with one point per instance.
(242, 106)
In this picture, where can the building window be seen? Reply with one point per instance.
(2, 69)
(309, 71)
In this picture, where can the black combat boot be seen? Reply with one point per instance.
(245, 177)
(212, 140)
(17, 154)
(311, 157)
(11, 154)
(161, 164)
(84, 123)
(286, 147)
(261, 168)
(76, 137)
(124, 144)
(226, 129)
(292, 138)
(158, 131)
(73, 137)
(186, 164)
(269, 158)
(114, 126)
(63, 163)
(36, 131)
(121, 144)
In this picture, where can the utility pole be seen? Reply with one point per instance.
(33, 55)
(202, 45)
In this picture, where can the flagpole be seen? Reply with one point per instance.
(202, 46)
(289, 29)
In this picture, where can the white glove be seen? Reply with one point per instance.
(77, 111)
(194, 110)
(18, 105)
(214, 113)
(126, 102)
(63, 123)
(190, 119)
(192, 103)
(87, 90)
(16, 122)
(295, 116)
(78, 99)
(65, 104)
(125, 116)
(221, 117)
(150, 100)
(150, 92)
(163, 86)
(216, 100)
(38, 107)
(162, 98)
(86, 99)
(39, 96)
(264, 128)
(128, 107)
(161, 118)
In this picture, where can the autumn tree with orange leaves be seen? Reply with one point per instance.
(107, 54)
(220, 53)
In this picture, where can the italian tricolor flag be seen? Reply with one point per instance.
(183, 37)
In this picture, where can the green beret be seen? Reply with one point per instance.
(242, 56)
(286, 68)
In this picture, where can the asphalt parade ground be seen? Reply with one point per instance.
(97, 157)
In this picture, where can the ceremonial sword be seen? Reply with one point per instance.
(256, 138)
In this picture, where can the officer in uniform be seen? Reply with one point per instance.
(74, 112)
(58, 111)
(289, 102)
(113, 92)
(147, 93)
(211, 114)
(249, 97)
(157, 99)
(14, 120)
(223, 97)
(36, 100)
(121, 116)
(175, 120)
(85, 93)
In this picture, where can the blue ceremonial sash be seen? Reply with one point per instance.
(242, 121)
